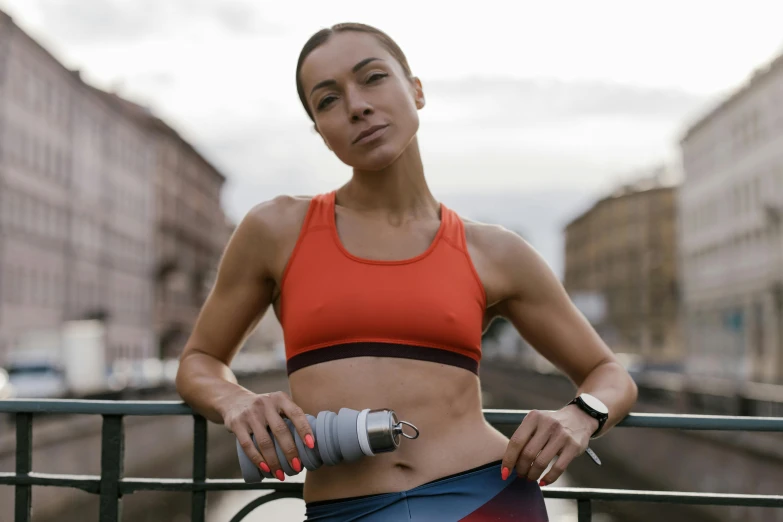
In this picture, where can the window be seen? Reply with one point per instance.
(9, 281)
(6, 207)
(757, 189)
(16, 145)
(657, 337)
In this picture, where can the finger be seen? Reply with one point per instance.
(295, 414)
(246, 443)
(284, 440)
(552, 447)
(266, 447)
(569, 453)
(531, 450)
(518, 441)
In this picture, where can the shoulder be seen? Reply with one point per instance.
(497, 242)
(513, 267)
(268, 228)
(278, 217)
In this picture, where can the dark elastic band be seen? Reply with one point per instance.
(403, 351)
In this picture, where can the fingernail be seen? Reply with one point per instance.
(309, 441)
(296, 464)
(264, 467)
(279, 474)
(541, 483)
(505, 472)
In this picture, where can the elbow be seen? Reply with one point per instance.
(183, 375)
(633, 392)
(179, 382)
(631, 388)
(624, 381)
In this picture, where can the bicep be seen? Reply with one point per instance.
(541, 310)
(241, 294)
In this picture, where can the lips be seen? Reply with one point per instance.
(369, 132)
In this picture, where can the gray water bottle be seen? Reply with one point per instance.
(344, 436)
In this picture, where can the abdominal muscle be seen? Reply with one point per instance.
(443, 402)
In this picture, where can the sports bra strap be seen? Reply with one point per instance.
(319, 213)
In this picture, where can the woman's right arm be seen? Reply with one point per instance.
(240, 296)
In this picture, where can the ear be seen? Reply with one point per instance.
(418, 93)
(315, 129)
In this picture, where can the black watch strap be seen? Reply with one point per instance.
(600, 417)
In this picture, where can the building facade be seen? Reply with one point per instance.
(731, 239)
(77, 204)
(191, 228)
(621, 269)
(191, 234)
(105, 211)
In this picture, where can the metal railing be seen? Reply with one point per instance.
(111, 485)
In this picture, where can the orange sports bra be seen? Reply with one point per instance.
(335, 305)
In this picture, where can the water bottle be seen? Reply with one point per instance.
(344, 436)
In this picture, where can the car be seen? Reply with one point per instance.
(37, 380)
(6, 389)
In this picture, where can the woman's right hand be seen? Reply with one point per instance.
(248, 413)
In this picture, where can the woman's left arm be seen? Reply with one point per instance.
(538, 306)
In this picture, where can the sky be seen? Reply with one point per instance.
(534, 108)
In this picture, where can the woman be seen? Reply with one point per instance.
(383, 294)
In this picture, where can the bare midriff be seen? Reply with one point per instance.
(443, 402)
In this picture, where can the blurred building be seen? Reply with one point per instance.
(191, 234)
(191, 229)
(105, 210)
(77, 204)
(731, 241)
(621, 269)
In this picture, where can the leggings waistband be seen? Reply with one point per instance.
(441, 479)
(474, 495)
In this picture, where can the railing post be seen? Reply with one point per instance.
(198, 504)
(584, 510)
(24, 465)
(112, 458)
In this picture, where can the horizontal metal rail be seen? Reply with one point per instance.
(111, 486)
(91, 484)
(493, 416)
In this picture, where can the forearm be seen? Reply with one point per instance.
(207, 385)
(611, 383)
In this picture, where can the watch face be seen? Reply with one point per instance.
(594, 403)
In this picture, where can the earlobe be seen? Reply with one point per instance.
(419, 93)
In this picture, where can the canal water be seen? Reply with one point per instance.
(225, 505)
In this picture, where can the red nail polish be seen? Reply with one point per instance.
(264, 467)
(309, 441)
(296, 464)
(505, 472)
(279, 474)
(541, 483)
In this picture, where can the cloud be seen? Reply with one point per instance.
(241, 18)
(154, 80)
(102, 22)
(496, 134)
(515, 102)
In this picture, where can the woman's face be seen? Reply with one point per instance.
(354, 86)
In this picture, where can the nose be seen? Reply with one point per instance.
(358, 106)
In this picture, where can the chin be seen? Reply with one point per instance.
(376, 159)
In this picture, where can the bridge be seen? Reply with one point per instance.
(676, 465)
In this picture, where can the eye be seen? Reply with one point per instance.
(324, 103)
(374, 77)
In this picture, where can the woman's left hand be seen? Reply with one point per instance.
(544, 435)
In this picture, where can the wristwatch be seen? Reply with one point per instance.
(593, 407)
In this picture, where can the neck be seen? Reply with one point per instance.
(397, 189)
